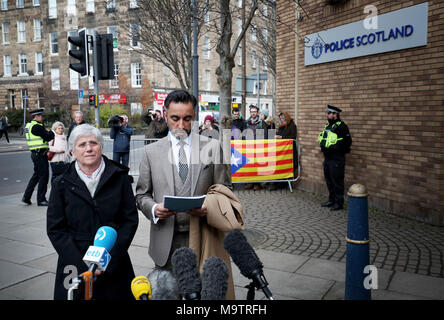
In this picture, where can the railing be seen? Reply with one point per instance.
(136, 149)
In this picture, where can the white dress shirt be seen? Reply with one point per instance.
(175, 145)
(91, 181)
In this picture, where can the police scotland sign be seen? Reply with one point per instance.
(396, 30)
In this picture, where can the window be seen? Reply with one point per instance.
(5, 32)
(55, 79)
(115, 82)
(135, 35)
(136, 108)
(35, 2)
(7, 72)
(37, 30)
(136, 75)
(207, 17)
(206, 48)
(11, 98)
(70, 45)
(239, 26)
(90, 7)
(265, 35)
(4, 4)
(24, 98)
(110, 4)
(253, 32)
(23, 64)
(134, 4)
(20, 3)
(21, 31)
(71, 8)
(52, 9)
(114, 30)
(265, 10)
(207, 80)
(38, 63)
(166, 77)
(264, 61)
(73, 80)
(253, 59)
(54, 43)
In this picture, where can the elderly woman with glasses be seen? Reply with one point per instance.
(93, 192)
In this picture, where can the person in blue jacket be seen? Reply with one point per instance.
(122, 138)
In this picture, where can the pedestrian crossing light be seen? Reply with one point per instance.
(80, 52)
(92, 100)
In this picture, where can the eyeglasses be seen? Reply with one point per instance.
(83, 145)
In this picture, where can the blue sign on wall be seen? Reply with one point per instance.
(397, 30)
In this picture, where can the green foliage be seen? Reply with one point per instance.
(15, 117)
(106, 111)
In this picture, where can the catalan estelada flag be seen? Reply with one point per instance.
(260, 160)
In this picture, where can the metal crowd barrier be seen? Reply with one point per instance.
(137, 145)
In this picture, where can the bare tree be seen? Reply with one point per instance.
(164, 30)
(227, 52)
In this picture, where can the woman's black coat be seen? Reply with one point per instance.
(73, 218)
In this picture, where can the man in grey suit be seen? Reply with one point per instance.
(181, 164)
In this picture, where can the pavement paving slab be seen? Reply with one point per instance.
(13, 273)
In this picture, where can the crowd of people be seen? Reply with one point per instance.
(89, 190)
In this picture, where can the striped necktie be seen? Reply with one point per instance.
(183, 163)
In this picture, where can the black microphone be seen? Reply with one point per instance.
(163, 285)
(246, 259)
(214, 279)
(185, 270)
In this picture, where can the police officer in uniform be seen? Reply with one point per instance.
(37, 138)
(335, 141)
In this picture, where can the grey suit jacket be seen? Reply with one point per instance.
(156, 180)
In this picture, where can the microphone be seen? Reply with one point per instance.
(163, 285)
(246, 259)
(97, 256)
(141, 288)
(214, 279)
(185, 270)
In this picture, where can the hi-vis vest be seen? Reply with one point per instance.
(34, 142)
(328, 138)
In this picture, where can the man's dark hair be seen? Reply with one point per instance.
(180, 96)
(235, 110)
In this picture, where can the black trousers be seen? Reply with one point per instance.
(334, 171)
(40, 176)
(6, 134)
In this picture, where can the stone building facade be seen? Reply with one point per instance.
(392, 102)
(48, 82)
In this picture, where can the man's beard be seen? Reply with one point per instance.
(180, 133)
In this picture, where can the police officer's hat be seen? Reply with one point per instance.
(36, 112)
(334, 109)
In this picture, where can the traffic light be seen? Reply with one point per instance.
(80, 53)
(105, 56)
(92, 100)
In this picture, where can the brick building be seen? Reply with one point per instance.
(392, 101)
(34, 70)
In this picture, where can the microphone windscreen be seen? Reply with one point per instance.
(185, 270)
(242, 253)
(163, 285)
(140, 286)
(214, 279)
(105, 238)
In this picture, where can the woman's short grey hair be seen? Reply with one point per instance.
(56, 124)
(84, 130)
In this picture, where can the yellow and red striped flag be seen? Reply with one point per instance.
(261, 160)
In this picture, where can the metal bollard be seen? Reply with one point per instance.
(358, 243)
